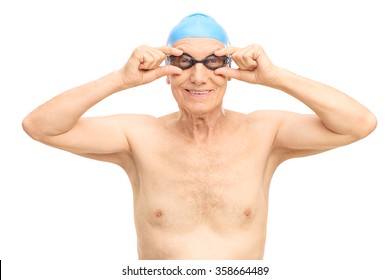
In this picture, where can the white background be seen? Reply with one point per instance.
(66, 217)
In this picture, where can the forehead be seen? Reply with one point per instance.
(198, 47)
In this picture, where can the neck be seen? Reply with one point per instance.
(201, 127)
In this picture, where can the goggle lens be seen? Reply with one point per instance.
(212, 62)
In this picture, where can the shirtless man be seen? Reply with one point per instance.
(200, 176)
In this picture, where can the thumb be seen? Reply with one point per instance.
(168, 70)
(229, 72)
(161, 71)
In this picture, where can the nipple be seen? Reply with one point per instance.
(158, 213)
(247, 212)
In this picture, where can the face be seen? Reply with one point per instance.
(198, 90)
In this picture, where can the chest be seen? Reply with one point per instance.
(203, 183)
(219, 164)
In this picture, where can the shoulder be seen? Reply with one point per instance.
(269, 124)
(269, 114)
(132, 125)
(278, 118)
(132, 121)
(268, 118)
(141, 121)
(259, 121)
(132, 117)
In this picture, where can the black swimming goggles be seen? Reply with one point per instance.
(211, 62)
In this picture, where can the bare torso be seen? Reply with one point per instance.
(201, 200)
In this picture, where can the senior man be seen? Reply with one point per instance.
(200, 176)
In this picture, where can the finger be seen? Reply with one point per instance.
(246, 63)
(170, 51)
(147, 65)
(151, 59)
(226, 51)
(245, 59)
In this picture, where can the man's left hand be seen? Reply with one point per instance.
(254, 66)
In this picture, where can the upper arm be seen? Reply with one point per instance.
(100, 138)
(305, 134)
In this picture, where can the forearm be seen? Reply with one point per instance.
(337, 111)
(62, 112)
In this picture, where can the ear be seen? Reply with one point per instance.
(168, 80)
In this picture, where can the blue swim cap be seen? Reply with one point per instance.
(198, 26)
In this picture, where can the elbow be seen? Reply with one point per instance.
(29, 126)
(366, 124)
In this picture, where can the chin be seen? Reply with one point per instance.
(201, 109)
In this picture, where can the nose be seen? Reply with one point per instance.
(199, 74)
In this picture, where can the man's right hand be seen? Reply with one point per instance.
(144, 65)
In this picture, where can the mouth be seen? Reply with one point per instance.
(198, 92)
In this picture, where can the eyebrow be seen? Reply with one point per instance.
(195, 58)
(185, 52)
